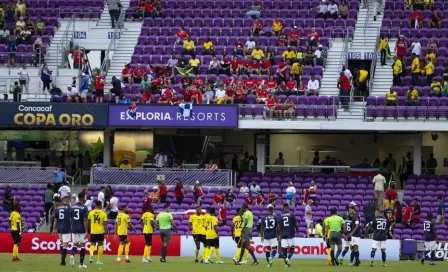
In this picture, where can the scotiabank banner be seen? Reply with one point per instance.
(305, 248)
(45, 243)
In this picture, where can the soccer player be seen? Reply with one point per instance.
(287, 228)
(380, 229)
(354, 234)
(79, 229)
(237, 228)
(97, 222)
(430, 239)
(326, 232)
(196, 223)
(61, 224)
(122, 222)
(246, 236)
(212, 238)
(268, 234)
(164, 222)
(347, 240)
(336, 224)
(147, 221)
(15, 222)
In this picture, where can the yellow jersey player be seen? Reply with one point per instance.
(196, 223)
(147, 221)
(237, 228)
(97, 221)
(122, 222)
(212, 238)
(15, 222)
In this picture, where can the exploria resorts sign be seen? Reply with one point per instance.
(184, 115)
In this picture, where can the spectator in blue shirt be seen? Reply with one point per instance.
(85, 67)
(440, 211)
(56, 93)
(84, 86)
(123, 99)
(59, 177)
(11, 48)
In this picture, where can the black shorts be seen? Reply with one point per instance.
(148, 239)
(213, 243)
(199, 238)
(16, 237)
(238, 241)
(95, 238)
(99, 93)
(22, 82)
(123, 238)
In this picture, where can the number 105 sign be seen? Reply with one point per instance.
(360, 55)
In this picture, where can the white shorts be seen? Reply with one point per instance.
(270, 242)
(287, 242)
(347, 243)
(79, 238)
(379, 244)
(355, 241)
(65, 238)
(430, 246)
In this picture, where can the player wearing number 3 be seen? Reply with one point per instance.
(380, 227)
(79, 230)
(97, 220)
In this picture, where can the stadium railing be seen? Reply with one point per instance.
(27, 174)
(306, 168)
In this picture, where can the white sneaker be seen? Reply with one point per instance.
(243, 262)
(72, 260)
(82, 266)
(145, 260)
(149, 260)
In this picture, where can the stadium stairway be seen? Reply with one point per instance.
(104, 22)
(383, 74)
(332, 69)
(366, 30)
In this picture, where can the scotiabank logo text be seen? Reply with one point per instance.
(56, 245)
(320, 249)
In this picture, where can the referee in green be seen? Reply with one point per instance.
(246, 236)
(336, 224)
(164, 223)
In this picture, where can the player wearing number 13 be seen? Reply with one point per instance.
(430, 239)
(380, 227)
(268, 234)
(62, 225)
(97, 220)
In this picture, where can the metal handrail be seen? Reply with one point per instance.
(300, 168)
(65, 44)
(112, 44)
(373, 65)
(369, 11)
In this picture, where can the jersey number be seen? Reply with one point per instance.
(61, 214)
(96, 219)
(76, 217)
(381, 225)
(427, 226)
(286, 221)
(119, 221)
(238, 224)
(349, 227)
(270, 223)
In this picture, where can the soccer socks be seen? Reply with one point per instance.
(274, 252)
(332, 255)
(383, 256)
(126, 250)
(205, 253)
(357, 256)
(352, 256)
(291, 252)
(100, 252)
(82, 255)
(92, 250)
(164, 252)
(120, 251)
(63, 254)
(285, 253)
(241, 254)
(149, 252)
(433, 256)
(329, 254)
(372, 255)
(210, 252)
(345, 252)
(268, 254)
(218, 255)
(145, 252)
(253, 255)
(74, 249)
(246, 253)
(238, 252)
(196, 254)
(15, 251)
(338, 252)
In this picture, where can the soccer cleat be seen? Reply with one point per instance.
(206, 261)
(422, 261)
(219, 262)
(62, 264)
(357, 263)
(341, 260)
(243, 262)
(329, 263)
(118, 260)
(127, 260)
(82, 266)
(270, 261)
(255, 263)
(336, 262)
(196, 261)
(18, 260)
(288, 262)
(149, 260)
(431, 263)
(371, 263)
(145, 260)
(235, 261)
(99, 263)
(91, 259)
(384, 265)
(72, 260)
(163, 261)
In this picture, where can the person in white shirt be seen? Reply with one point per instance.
(322, 10)
(378, 182)
(88, 203)
(347, 72)
(23, 76)
(214, 66)
(332, 10)
(313, 86)
(254, 188)
(72, 94)
(220, 95)
(250, 44)
(318, 56)
(64, 191)
(101, 196)
(416, 47)
(244, 189)
(113, 206)
(160, 159)
(291, 194)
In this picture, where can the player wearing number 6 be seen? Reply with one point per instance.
(268, 234)
(380, 227)
(430, 239)
(62, 225)
(97, 220)
(79, 230)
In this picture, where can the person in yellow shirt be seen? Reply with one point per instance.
(194, 63)
(299, 55)
(212, 237)
(296, 70)
(382, 49)
(125, 165)
(196, 223)
(277, 27)
(415, 69)
(397, 71)
(188, 47)
(391, 98)
(15, 223)
(362, 80)
(237, 228)
(21, 8)
(97, 221)
(436, 88)
(208, 47)
(257, 53)
(122, 222)
(289, 54)
(147, 222)
(429, 70)
(430, 55)
(326, 231)
(412, 97)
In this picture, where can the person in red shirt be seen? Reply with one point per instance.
(126, 74)
(294, 37)
(289, 109)
(255, 67)
(313, 37)
(291, 86)
(265, 66)
(149, 9)
(168, 91)
(162, 191)
(256, 28)
(146, 201)
(235, 65)
(241, 95)
(181, 36)
(416, 19)
(230, 95)
(223, 214)
(229, 82)
(99, 88)
(344, 90)
(435, 21)
(250, 84)
(301, 90)
(197, 96)
(260, 199)
(272, 198)
(245, 66)
(269, 107)
(156, 85)
(239, 46)
(186, 81)
(272, 84)
(179, 191)
(282, 88)
(146, 95)
(391, 191)
(262, 94)
(249, 200)
(198, 193)
(77, 57)
(218, 198)
(175, 99)
(137, 73)
(407, 214)
(197, 82)
(187, 95)
(163, 99)
(281, 72)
